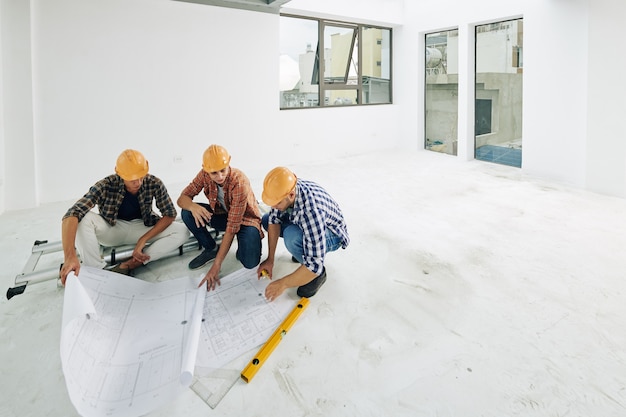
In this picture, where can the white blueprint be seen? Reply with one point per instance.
(237, 318)
(129, 346)
(126, 344)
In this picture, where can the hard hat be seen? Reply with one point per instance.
(131, 165)
(278, 183)
(215, 158)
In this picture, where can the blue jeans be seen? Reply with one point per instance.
(248, 237)
(292, 235)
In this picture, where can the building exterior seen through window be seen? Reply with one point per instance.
(441, 91)
(327, 63)
(498, 92)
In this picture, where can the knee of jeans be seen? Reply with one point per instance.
(293, 247)
(265, 221)
(249, 260)
(186, 215)
(292, 236)
(250, 263)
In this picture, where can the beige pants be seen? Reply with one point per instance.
(93, 232)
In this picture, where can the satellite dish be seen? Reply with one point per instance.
(289, 73)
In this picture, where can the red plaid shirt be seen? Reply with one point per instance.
(239, 198)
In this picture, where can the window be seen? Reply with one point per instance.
(442, 91)
(498, 89)
(482, 124)
(343, 63)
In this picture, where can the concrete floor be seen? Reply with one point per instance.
(468, 290)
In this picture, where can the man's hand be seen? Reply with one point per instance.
(138, 255)
(275, 289)
(212, 280)
(70, 264)
(266, 266)
(201, 215)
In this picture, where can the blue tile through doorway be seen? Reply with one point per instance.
(501, 155)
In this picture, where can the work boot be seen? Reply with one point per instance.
(309, 290)
(118, 269)
(202, 259)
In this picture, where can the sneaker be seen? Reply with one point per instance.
(205, 257)
(309, 290)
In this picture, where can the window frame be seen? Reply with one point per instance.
(348, 84)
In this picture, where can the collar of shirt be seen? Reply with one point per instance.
(213, 188)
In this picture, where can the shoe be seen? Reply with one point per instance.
(118, 269)
(309, 290)
(202, 259)
(294, 260)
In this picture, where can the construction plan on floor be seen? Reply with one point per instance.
(130, 346)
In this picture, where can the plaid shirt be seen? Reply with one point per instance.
(109, 192)
(242, 206)
(314, 211)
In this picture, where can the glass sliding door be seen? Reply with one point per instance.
(498, 89)
(441, 91)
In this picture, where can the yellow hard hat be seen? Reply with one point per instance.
(215, 158)
(278, 183)
(131, 165)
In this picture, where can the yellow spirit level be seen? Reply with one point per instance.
(249, 371)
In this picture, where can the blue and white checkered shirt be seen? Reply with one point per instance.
(314, 211)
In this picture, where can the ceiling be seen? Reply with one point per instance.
(268, 6)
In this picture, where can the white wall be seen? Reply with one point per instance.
(555, 73)
(170, 78)
(167, 78)
(606, 134)
(18, 185)
(2, 141)
(555, 90)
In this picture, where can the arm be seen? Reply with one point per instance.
(154, 189)
(69, 226)
(273, 233)
(160, 226)
(300, 276)
(212, 278)
(236, 200)
(201, 215)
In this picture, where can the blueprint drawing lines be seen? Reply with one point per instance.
(237, 318)
(124, 356)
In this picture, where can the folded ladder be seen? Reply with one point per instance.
(111, 256)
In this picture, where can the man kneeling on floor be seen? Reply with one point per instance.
(125, 217)
(311, 224)
(231, 208)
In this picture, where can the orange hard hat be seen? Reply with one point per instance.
(215, 158)
(131, 165)
(278, 183)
